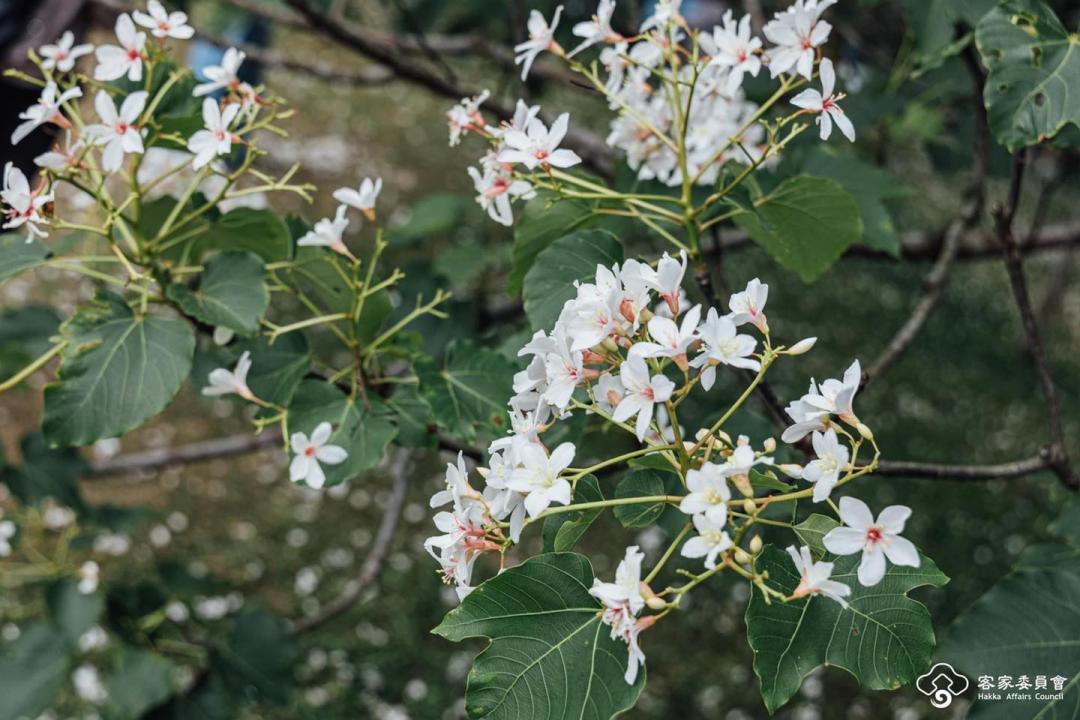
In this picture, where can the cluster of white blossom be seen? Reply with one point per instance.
(682, 114)
(614, 351)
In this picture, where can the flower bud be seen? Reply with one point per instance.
(723, 436)
(742, 557)
(769, 445)
(755, 545)
(610, 345)
(864, 431)
(750, 506)
(791, 470)
(802, 346)
(656, 603)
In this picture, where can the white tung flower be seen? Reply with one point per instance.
(214, 139)
(47, 109)
(24, 205)
(89, 575)
(116, 61)
(539, 146)
(815, 577)
(162, 23)
(363, 198)
(723, 345)
(541, 38)
(832, 397)
(875, 539)
(709, 493)
(711, 540)
(117, 130)
(495, 190)
(329, 233)
(832, 459)
(308, 453)
(748, 306)
(664, 12)
(622, 601)
(598, 29)
(670, 340)
(732, 46)
(642, 394)
(824, 104)
(223, 76)
(797, 33)
(466, 116)
(538, 477)
(61, 157)
(224, 382)
(63, 54)
(667, 279)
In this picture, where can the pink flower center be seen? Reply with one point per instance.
(542, 154)
(806, 43)
(741, 56)
(61, 55)
(873, 536)
(309, 451)
(828, 103)
(164, 25)
(133, 54)
(122, 127)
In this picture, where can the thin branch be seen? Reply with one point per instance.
(935, 471)
(373, 563)
(326, 72)
(1014, 265)
(161, 458)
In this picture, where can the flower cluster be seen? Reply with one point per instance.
(681, 112)
(629, 348)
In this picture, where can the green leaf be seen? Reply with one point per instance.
(1033, 81)
(812, 532)
(17, 255)
(550, 656)
(260, 656)
(438, 214)
(933, 23)
(884, 638)
(119, 369)
(258, 231)
(363, 433)
(377, 307)
(1026, 624)
(645, 482)
(768, 481)
(544, 220)
(276, 370)
(231, 293)
(550, 281)
(25, 334)
(870, 186)
(32, 671)
(1067, 524)
(320, 274)
(805, 224)
(46, 473)
(470, 391)
(414, 418)
(70, 610)
(562, 532)
(138, 681)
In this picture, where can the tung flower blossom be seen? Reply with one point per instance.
(832, 459)
(329, 233)
(63, 53)
(824, 103)
(670, 340)
(623, 600)
(117, 130)
(538, 477)
(495, 190)
(48, 109)
(708, 493)
(667, 279)
(815, 577)
(797, 33)
(309, 452)
(539, 146)
(116, 61)
(224, 76)
(832, 397)
(24, 205)
(748, 306)
(723, 346)
(710, 541)
(363, 198)
(466, 116)
(214, 139)
(223, 381)
(642, 394)
(61, 157)
(875, 539)
(598, 29)
(541, 38)
(732, 46)
(164, 24)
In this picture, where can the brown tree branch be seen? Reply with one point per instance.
(1014, 265)
(935, 471)
(373, 563)
(161, 458)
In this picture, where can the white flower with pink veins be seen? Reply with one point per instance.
(815, 577)
(116, 61)
(541, 39)
(24, 205)
(642, 394)
(538, 146)
(824, 104)
(875, 539)
(309, 452)
(797, 33)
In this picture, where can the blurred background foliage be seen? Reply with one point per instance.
(230, 550)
